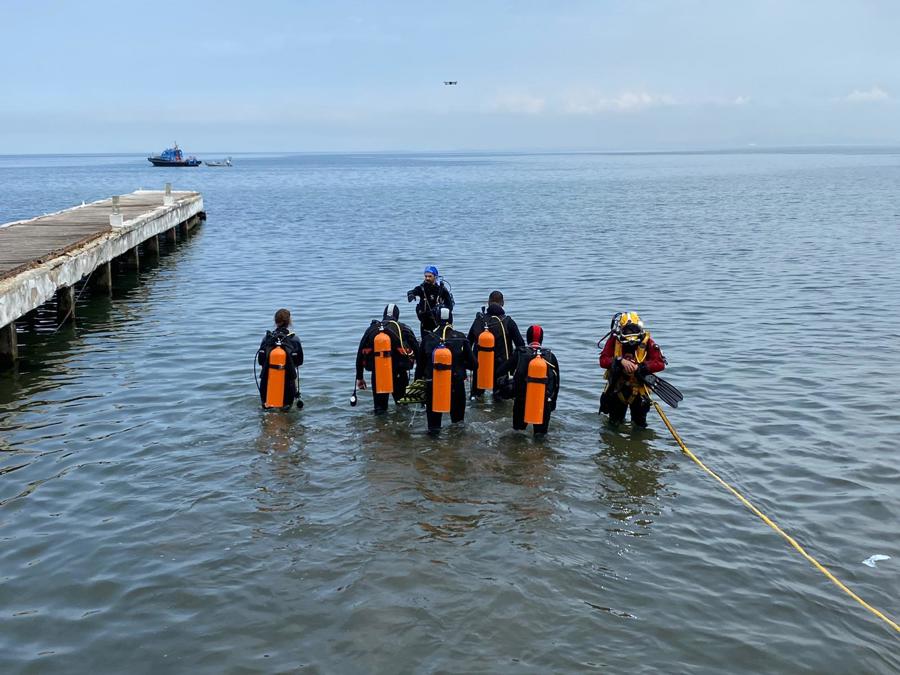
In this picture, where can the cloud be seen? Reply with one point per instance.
(872, 95)
(520, 104)
(590, 102)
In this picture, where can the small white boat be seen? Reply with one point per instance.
(221, 162)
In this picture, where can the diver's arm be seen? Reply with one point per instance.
(655, 360)
(607, 356)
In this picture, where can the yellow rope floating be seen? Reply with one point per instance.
(768, 521)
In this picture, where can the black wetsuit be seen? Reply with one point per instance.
(404, 348)
(506, 338)
(291, 344)
(431, 298)
(463, 361)
(518, 364)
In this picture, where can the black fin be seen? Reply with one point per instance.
(667, 391)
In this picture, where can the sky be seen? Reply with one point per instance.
(279, 75)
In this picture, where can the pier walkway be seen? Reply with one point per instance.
(46, 256)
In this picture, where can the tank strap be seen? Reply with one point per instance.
(537, 380)
(485, 349)
(399, 334)
(443, 366)
(276, 367)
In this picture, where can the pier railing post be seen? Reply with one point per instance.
(9, 346)
(168, 199)
(115, 218)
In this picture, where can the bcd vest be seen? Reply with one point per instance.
(628, 386)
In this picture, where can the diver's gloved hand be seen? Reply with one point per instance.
(299, 404)
(411, 295)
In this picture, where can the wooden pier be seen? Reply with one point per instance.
(46, 256)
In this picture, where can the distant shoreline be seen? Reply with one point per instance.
(747, 150)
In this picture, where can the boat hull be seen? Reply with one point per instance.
(159, 161)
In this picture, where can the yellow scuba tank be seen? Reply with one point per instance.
(384, 371)
(486, 343)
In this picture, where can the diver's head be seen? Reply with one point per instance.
(630, 330)
(495, 298)
(534, 336)
(391, 312)
(431, 274)
(283, 318)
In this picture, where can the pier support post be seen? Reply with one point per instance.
(133, 259)
(172, 236)
(65, 305)
(183, 229)
(151, 246)
(102, 278)
(9, 346)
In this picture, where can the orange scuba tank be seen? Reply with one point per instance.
(441, 380)
(536, 390)
(275, 377)
(486, 342)
(384, 371)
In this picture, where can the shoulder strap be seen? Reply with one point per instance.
(399, 334)
(503, 330)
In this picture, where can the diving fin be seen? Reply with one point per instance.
(667, 391)
(415, 393)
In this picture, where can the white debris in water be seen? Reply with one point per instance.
(871, 560)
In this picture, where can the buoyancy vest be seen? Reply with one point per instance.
(627, 385)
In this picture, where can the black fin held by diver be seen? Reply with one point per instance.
(667, 391)
(415, 393)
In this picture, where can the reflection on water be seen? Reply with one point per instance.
(633, 471)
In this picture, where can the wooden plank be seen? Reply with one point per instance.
(33, 242)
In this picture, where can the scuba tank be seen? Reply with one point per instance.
(383, 368)
(536, 390)
(441, 382)
(276, 377)
(486, 343)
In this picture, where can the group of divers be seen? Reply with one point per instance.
(494, 351)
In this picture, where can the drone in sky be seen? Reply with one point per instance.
(450, 82)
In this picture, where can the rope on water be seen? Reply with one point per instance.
(768, 521)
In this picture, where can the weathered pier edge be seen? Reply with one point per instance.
(46, 256)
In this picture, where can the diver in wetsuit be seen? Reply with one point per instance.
(518, 364)
(628, 355)
(282, 337)
(432, 294)
(506, 338)
(404, 348)
(444, 335)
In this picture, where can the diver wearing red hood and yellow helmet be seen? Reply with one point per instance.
(628, 355)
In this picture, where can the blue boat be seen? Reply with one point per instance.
(173, 157)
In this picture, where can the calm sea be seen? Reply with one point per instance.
(153, 519)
